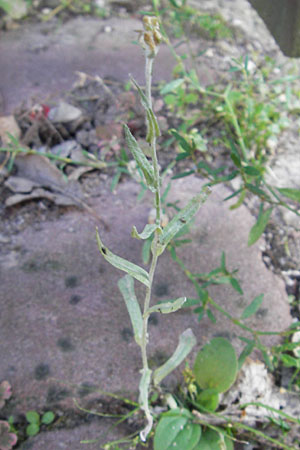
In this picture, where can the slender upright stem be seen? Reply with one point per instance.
(148, 74)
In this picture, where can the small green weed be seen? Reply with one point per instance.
(35, 421)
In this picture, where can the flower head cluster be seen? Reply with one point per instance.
(151, 36)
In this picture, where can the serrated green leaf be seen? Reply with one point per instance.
(168, 307)
(140, 159)
(187, 341)
(216, 365)
(257, 229)
(33, 417)
(293, 194)
(183, 217)
(146, 233)
(253, 307)
(126, 286)
(48, 417)
(172, 86)
(135, 271)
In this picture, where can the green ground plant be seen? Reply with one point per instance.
(35, 421)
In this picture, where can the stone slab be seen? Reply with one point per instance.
(63, 321)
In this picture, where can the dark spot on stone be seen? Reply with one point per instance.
(31, 266)
(101, 269)
(153, 319)
(52, 264)
(71, 281)
(127, 334)
(41, 371)
(262, 312)
(161, 289)
(75, 299)
(65, 344)
(157, 359)
(56, 394)
(223, 334)
(85, 389)
(27, 445)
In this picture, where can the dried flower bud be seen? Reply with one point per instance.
(151, 37)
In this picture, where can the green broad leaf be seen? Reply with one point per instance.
(183, 217)
(240, 200)
(212, 440)
(140, 159)
(236, 285)
(32, 429)
(290, 361)
(144, 388)
(293, 194)
(126, 286)
(182, 141)
(135, 271)
(252, 171)
(216, 365)
(209, 399)
(146, 233)
(258, 229)
(33, 417)
(172, 86)
(187, 341)
(48, 417)
(176, 431)
(168, 307)
(246, 352)
(253, 307)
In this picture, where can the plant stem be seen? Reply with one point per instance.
(148, 76)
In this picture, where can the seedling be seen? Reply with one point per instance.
(35, 421)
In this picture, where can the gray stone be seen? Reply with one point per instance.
(90, 340)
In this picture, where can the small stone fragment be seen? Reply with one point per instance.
(64, 112)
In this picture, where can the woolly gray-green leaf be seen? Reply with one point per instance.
(183, 217)
(187, 341)
(146, 233)
(135, 271)
(140, 159)
(126, 286)
(168, 307)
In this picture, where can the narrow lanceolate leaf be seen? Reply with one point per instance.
(153, 128)
(257, 229)
(140, 159)
(167, 307)
(126, 286)
(293, 194)
(183, 217)
(253, 307)
(187, 341)
(135, 271)
(146, 233)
